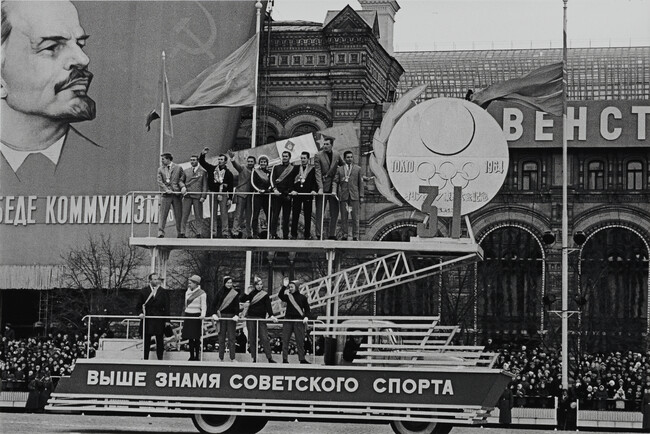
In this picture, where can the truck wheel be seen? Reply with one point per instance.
(250, 424)
(215, 424)
(406, 427)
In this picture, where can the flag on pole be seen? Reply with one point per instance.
(229, 83)
(541, 89)
(163, 97)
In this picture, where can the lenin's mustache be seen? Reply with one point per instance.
(75, 75)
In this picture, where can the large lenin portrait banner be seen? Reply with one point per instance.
(78, 80)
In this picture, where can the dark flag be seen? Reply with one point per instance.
(540, 89)
(229, 83)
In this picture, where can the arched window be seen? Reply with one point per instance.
(596, 175)
(634, 175)
(613, 280)
(303, 128)
(529, 176)
(509, 282)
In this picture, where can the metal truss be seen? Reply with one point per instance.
(372, 276)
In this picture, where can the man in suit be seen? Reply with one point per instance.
(171, 181)
(305, 185)
(153, 300)
(196, 187)
(348, 186)
(220, 180)
(326, 162)
(282, 177)
(42, 95)
(243, 202)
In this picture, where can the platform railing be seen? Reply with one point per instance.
(208, 329)
(148, 208)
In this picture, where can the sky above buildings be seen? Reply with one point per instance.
(424, 25)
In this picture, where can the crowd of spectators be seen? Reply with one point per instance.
(600, 380)
(24, 360)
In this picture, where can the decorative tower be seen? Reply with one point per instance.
(386, 10)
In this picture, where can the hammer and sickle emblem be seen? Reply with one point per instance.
(200, 47)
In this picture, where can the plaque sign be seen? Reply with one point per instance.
(447, 143)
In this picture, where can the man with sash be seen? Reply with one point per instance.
(195, 306)
(261, 184)
(220, 180)
(259, 308)
(171, 181)
(282, 178)
(327, 161)
(305, 186)
(348, 186)
(298, 314)
(228, 315)
(153, 301)
(243, 202)
(196, 184)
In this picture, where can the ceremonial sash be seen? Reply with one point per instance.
(295, 304)
(287, 171)
(260, 295)
(193, 296)
(145, 303)
(228, 299)
(264, 177)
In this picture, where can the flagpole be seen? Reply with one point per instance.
(565, 211)
(162, 106)
(249, 253)
(258, 6)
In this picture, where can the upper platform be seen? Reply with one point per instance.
(439, 246)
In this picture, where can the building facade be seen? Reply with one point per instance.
(315, 76)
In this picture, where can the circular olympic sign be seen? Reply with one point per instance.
(447, 143)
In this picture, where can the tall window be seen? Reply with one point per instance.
(529, 176)
(596, 175)
(634, 175)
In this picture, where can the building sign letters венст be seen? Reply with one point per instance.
(589, 124)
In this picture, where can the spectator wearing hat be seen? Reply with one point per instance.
(171, 181)
(195, 306)
(9, 332)
(601, 398)
(505, 404)
(227, 313)
(297, 309)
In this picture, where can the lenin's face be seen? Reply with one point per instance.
(44, 67)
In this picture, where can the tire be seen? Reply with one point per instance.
(406, 427)
(250, 424)
(215, 424)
